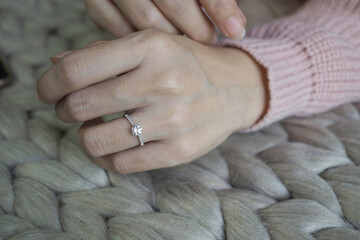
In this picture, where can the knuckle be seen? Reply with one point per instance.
(91, 142)
(149, 17)
(68, 69)
(159, 40)
(77, 107)
(206, 35)
(177, 119)
(153, 40)
(170, 84)
(138, 39)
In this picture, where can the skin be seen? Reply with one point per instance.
(122, 17)
(188, 97)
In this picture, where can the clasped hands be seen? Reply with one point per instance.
(187, 96)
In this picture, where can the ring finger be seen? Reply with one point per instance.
(103, 138)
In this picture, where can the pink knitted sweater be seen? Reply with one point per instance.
(312, 58)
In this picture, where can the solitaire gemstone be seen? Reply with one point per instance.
(136, 130)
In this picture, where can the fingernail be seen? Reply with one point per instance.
(54, 59)
(234, 28)
(243, 34)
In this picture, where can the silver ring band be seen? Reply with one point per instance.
(136, 129)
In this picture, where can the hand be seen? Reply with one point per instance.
(188, 97)
(121, 17)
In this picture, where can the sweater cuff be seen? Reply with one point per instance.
(289, 75)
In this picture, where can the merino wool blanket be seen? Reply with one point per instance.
(297, 179)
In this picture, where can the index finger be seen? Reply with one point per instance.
(87, 66)
(227, 16)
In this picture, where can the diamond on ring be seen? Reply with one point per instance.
(136, 129)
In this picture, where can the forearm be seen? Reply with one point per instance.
(312, 59)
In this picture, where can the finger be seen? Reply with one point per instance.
(144, 14)
(88, 66)
(56, 58)
(108, 16)
(163, 153)
(104, 98)
(115, 135)
(152, 155)
(188, 16)
(95, 43)
(227, 16)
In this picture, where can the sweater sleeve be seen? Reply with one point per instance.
(312, 59)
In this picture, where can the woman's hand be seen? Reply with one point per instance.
(188, 98)
(121, 17)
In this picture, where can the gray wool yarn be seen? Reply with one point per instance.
(138, 183)
(301, 213)
(25, 151)
(48, 170)
(11, 225)
(297, 179)
(43, 235)
(312, 158)
(314, 135)
(36, 204)
(286, 232)
(353, 149)
(13, 122)
(6, 191)
(167, 226)
(193, 201)
(241, 222)
(83, 222)
(303, 184)
(45, 136)
(255, 201)
(337, 233)
(72, 156)
(248, 172)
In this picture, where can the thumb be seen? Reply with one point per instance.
(227, 16)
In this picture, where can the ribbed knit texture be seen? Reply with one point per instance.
(312, 58)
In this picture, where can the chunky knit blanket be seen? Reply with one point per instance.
(296, 179)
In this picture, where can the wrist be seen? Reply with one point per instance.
(254, 76)
(244, 81)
